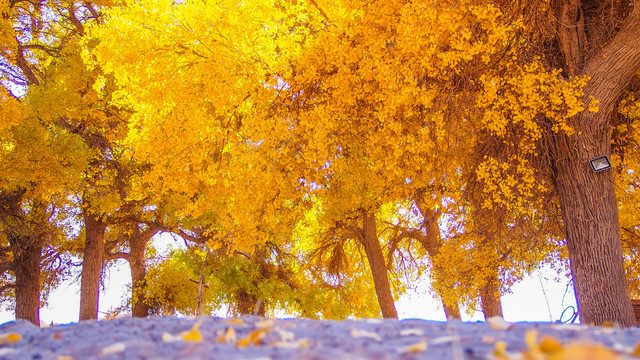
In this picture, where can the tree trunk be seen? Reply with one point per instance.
(432, 243)
(201, 286)
(378, 267)
(451, 312)
(588, 202)
(91, 266)
(490, 296)
(247, 304)
(27, 271)
(138, 243)
(590, 215)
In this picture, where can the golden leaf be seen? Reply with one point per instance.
(414, 348)
(365, 334)
(254, 338)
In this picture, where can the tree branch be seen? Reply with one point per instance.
(571, 34)
(7, 286)
(117, 255)
(6, 266)
(22, 63)
(612, 68)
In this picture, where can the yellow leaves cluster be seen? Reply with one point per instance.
(11, 112)
(519, 107)
(6, 28)
(504, 187)
(515, 102)
(34, 158)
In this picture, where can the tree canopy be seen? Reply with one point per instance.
(307, 149)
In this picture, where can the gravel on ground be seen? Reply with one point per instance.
(255, 338)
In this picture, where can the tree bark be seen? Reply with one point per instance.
(138, 243)
(27, 270)
(490, 296)
(246, 304)
(378, 267)
(588, 202)
(592, 228)
(451, 312)
(137, 246)
(92, 266)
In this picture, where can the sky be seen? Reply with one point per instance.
(539, 297)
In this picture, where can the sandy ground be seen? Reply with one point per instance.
(256, 338)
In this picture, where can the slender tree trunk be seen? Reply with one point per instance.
(201, 286)
(200, 307)
(432, 243)
(378, 267)
(451, 312)
(138, 243)
(490, 296)
(92, 266)
(27, 272)
(588, 202)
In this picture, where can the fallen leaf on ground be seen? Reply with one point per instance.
(365, 334)
(166, 337)
(266, 323)
(411, 332)
(445, 339)
(488, 339)
(500, 350)
(414, 348)
(550, 345)
(498, 323)
(113, 349)
(300, 344)
(193, 334)
(10, 338)
(585, 351)
(229, 336)
(254, 338)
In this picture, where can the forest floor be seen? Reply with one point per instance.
(255, 338)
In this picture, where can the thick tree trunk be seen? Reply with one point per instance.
(139, 308)
(590, 214)
(92, 266)
(490, 296)
(589, 206)
(27, 271)
(246, 304)
(378, 267)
